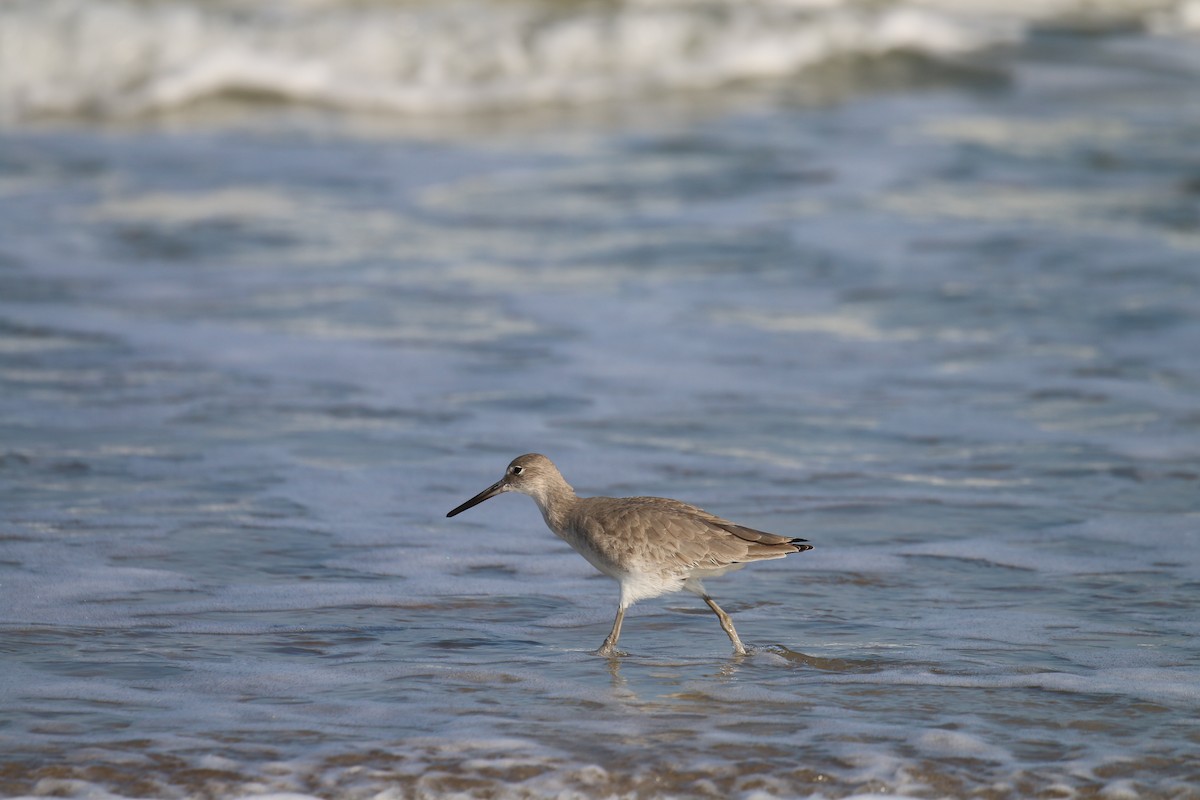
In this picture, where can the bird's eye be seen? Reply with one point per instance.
(516, 470)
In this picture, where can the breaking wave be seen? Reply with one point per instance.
(122, 58)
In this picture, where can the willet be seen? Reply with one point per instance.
(649, 545)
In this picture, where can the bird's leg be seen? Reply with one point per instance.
(609, 648)
(727, 626)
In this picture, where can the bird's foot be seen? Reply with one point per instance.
(609, 650)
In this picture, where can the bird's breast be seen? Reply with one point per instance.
(601, 552)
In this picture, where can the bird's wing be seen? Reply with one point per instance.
(660, 530)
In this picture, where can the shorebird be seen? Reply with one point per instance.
(650, 545)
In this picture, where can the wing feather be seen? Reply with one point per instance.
(658, 530)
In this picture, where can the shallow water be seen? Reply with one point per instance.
(950, 333)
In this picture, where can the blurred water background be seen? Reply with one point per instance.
(283, 282)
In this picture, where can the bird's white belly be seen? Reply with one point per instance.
(642, 585)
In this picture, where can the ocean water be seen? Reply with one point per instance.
(280, 286)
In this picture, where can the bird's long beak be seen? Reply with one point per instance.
(496, 488)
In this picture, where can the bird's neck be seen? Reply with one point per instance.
(555, 501)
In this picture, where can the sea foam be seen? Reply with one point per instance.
(119, 58)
